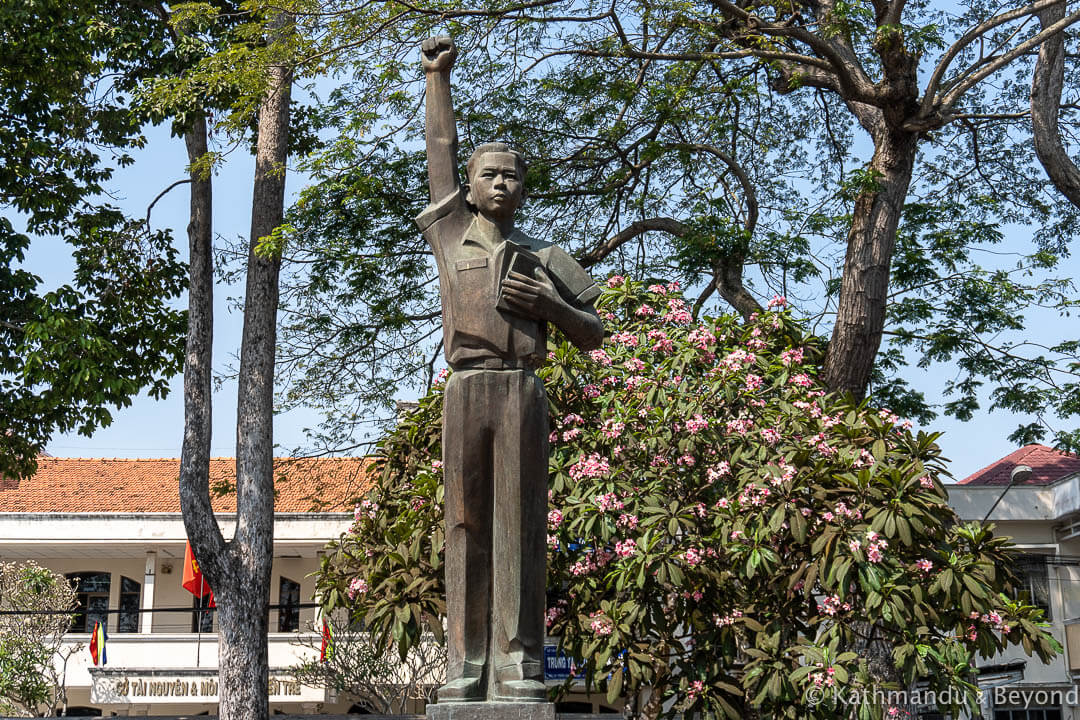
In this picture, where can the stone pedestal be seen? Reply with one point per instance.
(491, 711)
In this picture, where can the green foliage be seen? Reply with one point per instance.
(631, 121)
(69, 355)
(720, 529)
(29, 643)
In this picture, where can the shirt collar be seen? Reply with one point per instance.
(476, 235)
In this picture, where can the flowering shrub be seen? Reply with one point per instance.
(720, 529)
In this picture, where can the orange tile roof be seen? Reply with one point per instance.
(1047, 466)
(152, 485)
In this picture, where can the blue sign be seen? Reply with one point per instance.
(556, 664)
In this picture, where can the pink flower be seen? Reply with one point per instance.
(601, 627)
(555, 519)
(592, 466)
(740, 426)
(802, 380)
(627, 521)
(924, 565)
(696, 688)
(436, 465)
(753, 382)
(600, 356)
(357, 586)
(778, 301)
(696, 424)
(615, 281)
(830, 605)
(607, 502)
(658, 289)
(718, 471)
(634, 365)
(591, 391)
(926, 482)
(692, 556)
(674, 286)
(625, 548)
(625, 338)
(789, 357)
(661, 342)
(571, 434)
(645, 311)
(678, 317)
(888, 415)
(686, 460)
(442, 375)
(612, 429)
(701, 338)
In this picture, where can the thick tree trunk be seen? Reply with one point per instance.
(245, 596)
(1046, 86)
(860, 316)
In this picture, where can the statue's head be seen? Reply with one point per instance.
(496, 180)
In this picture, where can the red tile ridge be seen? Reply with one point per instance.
(1047, 467)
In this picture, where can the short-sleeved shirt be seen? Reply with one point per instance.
(473, 328)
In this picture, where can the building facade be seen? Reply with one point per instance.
(115, 527)
(1033, 496)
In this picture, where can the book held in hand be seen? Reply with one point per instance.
(511, 257)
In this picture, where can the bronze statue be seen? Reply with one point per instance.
(499, 290)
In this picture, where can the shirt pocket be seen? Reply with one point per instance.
(471, 264)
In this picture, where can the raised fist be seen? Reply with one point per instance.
(437, 53)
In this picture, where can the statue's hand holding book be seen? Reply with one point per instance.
(524, 288)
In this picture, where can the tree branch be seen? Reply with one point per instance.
(990, 68)
(1046, 87)
(609, 246)
(966, 39)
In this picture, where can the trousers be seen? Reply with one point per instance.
(495, 469)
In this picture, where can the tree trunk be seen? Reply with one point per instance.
(1046, 86)
(860, 316)
(244, 608)
(199, 524)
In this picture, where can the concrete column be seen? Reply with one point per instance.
(146, 619)
(317, 617)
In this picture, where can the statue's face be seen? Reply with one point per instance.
(495, 187)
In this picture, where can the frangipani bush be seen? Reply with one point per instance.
(720, 529)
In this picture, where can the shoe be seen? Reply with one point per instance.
(463, 689)
(521, 691)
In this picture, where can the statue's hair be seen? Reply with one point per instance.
(491, 147)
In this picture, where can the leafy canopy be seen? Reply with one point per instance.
(69, 354)
(720, 529)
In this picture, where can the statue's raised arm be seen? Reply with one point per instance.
(437, 57)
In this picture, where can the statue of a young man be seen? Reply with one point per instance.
(499, 290)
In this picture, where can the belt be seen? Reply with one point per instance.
(494, 363)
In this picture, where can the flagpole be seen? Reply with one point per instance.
(198, 621)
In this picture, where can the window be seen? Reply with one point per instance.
(1032, 572)
(130, 596)
(202, 619)
(288, 605)
(92, 596)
